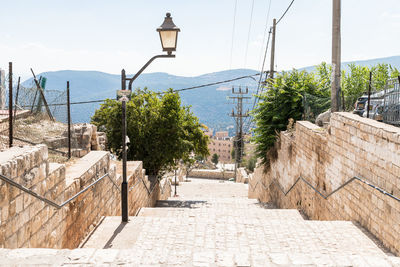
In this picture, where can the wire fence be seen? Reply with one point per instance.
(391, 102)
(40, 116)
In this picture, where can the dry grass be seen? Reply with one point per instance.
(38, 128)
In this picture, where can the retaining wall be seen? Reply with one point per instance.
(327, 159)
(26, 221)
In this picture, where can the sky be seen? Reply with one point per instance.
(106, 36)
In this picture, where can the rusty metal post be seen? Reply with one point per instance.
(369, 92)
(10, 106)
(16, 99)
(175, 195)
(69, 121)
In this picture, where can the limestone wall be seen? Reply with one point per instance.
(212, 174)
(242, 176)
(327, 159)
(26, 221)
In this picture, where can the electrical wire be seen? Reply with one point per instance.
(174, 91)
(265, 33)
(248, 34)
(285, 12)
(248, 120)
(233, 34)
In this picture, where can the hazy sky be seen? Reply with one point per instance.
(110, 35)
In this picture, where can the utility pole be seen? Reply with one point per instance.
(336, 56)
(238, 141)
(271, 72)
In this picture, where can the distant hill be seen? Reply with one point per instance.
(210, 103)
(394, 61)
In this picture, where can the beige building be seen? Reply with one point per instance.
(221, 145)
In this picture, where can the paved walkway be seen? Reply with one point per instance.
(214, 224)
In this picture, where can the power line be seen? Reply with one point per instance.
(265, 31)
(209, 84)
(177, 90)
(233, 34)
(287, 9)
(248, 120)
(248, 34)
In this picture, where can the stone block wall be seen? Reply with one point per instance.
(352, 146)
(26, 221)
(242, 176)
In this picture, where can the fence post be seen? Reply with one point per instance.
(69, 121)
(369, 92)
(10, 106)
(2, 89)
(16, 99)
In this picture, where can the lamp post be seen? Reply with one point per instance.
(168, 36)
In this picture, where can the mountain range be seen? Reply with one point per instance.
(210, 104)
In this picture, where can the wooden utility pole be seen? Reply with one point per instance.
(336, 56)
(271, 73)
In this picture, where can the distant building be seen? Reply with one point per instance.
(220, 144)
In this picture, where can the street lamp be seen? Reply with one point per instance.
(168, 36)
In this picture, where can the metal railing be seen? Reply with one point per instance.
(50, 202)
(149, 192)
(300, 178)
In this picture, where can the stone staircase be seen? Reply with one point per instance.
(214, 224)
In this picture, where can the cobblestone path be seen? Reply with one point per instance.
(214, 224)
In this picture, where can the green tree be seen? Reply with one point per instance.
(283, 100)
(214, 159)
(161, 130)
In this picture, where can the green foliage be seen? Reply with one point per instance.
(160, 129)
(282, 101)
(251, 163)
(298, 94)
(214, 159)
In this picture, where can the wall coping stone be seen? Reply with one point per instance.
(13, 152)
(82, 165)
(366, 121)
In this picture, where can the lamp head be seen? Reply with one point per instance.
(168, 34)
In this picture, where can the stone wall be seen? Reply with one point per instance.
(211, 174)
(242, 176)
(327, 159)
(26, 221)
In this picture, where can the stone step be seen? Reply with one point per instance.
(225, 233)
(164, 257)
(213, 211)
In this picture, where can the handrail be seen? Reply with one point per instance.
(320, 193)
(48, 201)
(149, 192)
